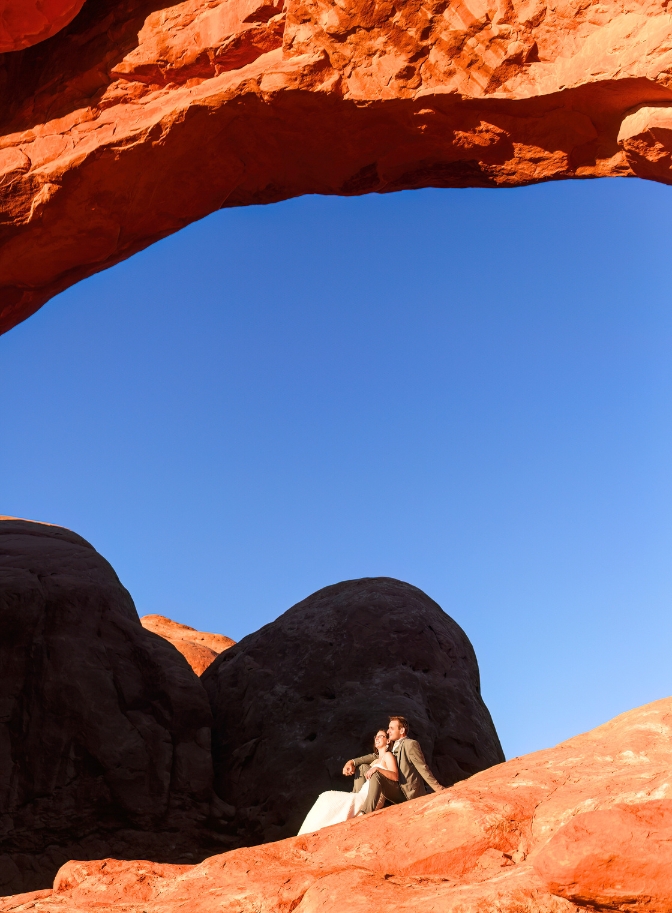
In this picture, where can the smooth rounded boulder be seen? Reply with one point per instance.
(24, 23)
(104, 728)
(292, 702)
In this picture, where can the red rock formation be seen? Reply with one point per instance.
(618, 858)
(104, 728)
(143, 115)
(27, 22)
(198, 648)
(105, 731)
(578, 828)
(293, 701)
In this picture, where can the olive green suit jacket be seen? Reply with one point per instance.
(413, 769)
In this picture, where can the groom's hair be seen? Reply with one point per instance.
(403, 723)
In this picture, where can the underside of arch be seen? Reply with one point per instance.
(140, 117)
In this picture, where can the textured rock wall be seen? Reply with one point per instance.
(292, 702)
(579, 828)
(142, 115)
(104, 728)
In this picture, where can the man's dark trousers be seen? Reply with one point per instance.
(380, 785)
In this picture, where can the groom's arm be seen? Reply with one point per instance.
(352, 765)
(417, 758)
(365, 759)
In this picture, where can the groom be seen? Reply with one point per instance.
(413, 770)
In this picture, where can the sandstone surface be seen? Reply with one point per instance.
(143, 115)
(296, 699)
(104, 728)
(27, 22)
(579, 828)
(198, 648)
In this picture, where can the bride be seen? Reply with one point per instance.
(333, 807)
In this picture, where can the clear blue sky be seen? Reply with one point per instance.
(470, 390)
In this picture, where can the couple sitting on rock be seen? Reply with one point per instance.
(395, 771)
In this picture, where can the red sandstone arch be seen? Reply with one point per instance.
(144, 115)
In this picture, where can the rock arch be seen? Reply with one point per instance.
(144, 115)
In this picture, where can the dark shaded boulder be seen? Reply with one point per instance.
(292, 702)
(104, 728)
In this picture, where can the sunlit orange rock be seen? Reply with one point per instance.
(198, 648)
(580, 827)
(143, 115)
(617, 858)
(646, 138)
(26, 22)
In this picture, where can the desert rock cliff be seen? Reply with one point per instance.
(143, 115)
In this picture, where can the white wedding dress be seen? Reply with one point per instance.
(333, 807)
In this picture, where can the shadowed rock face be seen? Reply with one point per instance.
(144, 115)
(295, 700)
(104, 728)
